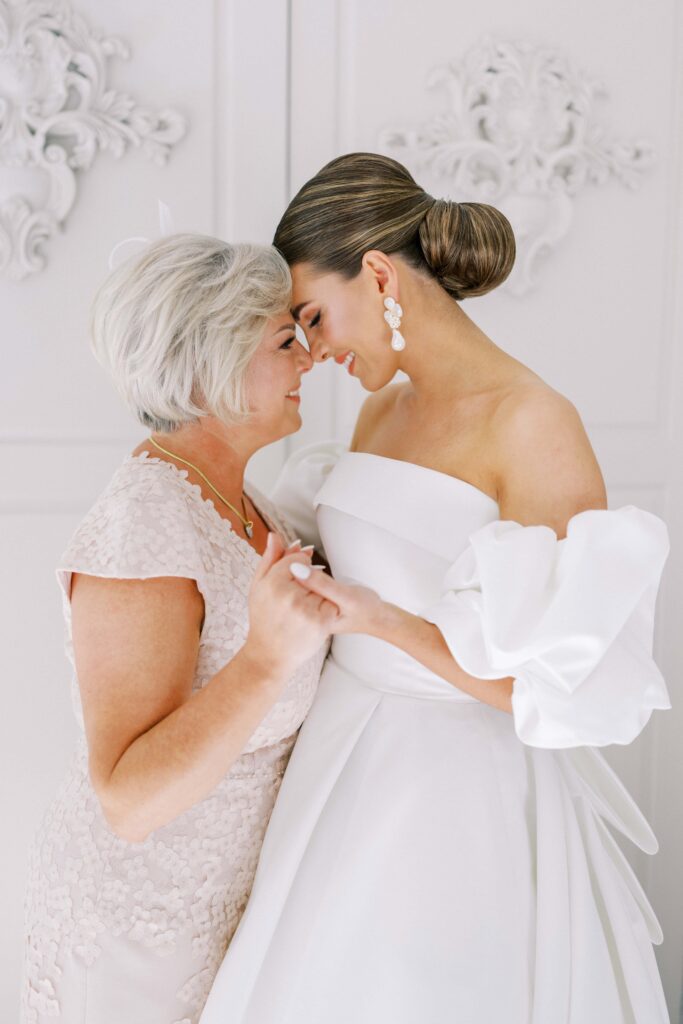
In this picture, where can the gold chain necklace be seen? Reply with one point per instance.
(247, 523)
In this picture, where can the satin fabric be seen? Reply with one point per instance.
(430, 858)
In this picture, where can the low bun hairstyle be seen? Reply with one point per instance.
(469, 247)
(365, 201)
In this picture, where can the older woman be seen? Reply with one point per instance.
(196, 655)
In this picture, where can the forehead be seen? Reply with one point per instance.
(309, 283)
(303, 276)
(277, 327)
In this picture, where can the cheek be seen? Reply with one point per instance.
(354, 326)
(263, 384)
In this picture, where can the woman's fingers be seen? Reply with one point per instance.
(329, 613)
(326, 613)
(319, 583)
(280, 573)
(273, 552)
(327, 608)
(321, 604)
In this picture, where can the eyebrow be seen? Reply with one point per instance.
(286, 327)
(297, 309)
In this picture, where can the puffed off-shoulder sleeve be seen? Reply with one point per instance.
(571, 620)
(299, 481)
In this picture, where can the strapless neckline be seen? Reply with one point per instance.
(430, 509)
(418, 469)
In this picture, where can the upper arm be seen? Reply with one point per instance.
(135, 649)
(547, 469)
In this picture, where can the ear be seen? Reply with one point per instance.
(383, 271)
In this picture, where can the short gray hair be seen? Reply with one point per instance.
(177, 327)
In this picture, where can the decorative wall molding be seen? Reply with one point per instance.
(521, 131)
(56, 112)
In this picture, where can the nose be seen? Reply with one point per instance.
(305, 362)
(319, 351)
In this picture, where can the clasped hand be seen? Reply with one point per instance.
(358, 608)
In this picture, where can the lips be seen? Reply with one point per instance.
(346, 359)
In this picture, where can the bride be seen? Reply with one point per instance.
(440, 848)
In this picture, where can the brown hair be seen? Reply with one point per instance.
(366, 201)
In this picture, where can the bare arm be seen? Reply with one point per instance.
(155, 747)
(362, 611)
(423, 641)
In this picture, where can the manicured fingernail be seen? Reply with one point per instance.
(300, 571)
(321, 567)
(308, 547)
(294, 544)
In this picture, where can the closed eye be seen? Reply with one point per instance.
(316, 320)
(288, 343)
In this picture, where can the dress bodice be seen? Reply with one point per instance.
(395, 527)
(570, 620)
(151, 521)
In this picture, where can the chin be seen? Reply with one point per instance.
(375, 380)
(294, 423)
(274, 432)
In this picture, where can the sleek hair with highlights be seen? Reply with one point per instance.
(178, 326)
(365, 201)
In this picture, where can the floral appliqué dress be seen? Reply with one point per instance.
(135, 932)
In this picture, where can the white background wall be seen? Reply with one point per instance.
(272, 91)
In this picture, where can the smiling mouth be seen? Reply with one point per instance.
(345, 359)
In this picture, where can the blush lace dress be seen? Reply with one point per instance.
(133, 933)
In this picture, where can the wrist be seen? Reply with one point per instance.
(387, 622)
(261, 664)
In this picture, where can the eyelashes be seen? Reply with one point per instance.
(288, 344)
(316, 320)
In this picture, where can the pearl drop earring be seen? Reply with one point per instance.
(393, 316)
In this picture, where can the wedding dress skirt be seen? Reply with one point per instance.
(432, 860)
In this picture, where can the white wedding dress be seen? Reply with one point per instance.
(432, 860)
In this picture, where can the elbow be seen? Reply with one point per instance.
(122, 819)
(127, 831)
(122, 823)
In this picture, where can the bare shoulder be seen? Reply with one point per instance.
(375, 406)
(546, 468)
(529, 406)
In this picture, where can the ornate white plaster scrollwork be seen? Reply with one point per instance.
(521, 132)
(56, 112)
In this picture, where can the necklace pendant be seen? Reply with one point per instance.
(249, 529)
